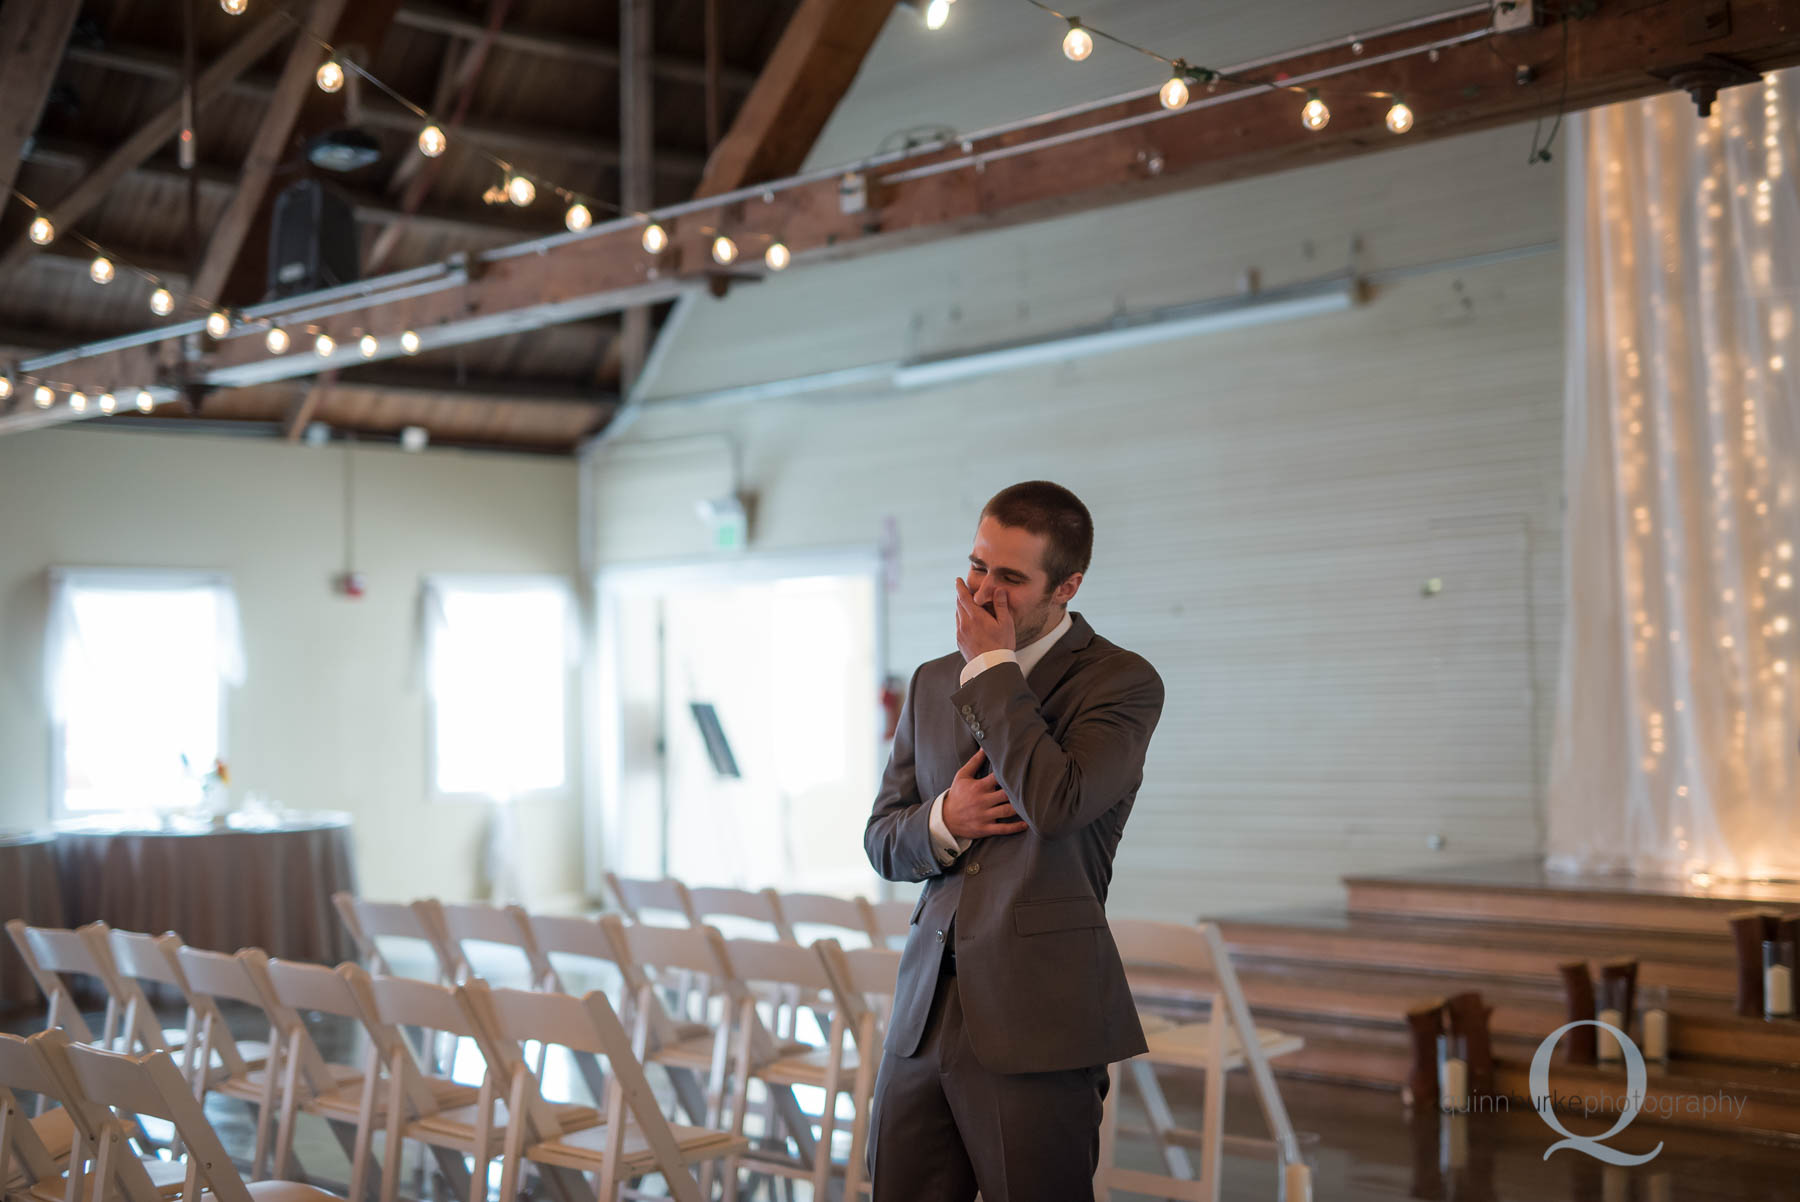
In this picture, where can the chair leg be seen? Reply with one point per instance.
(1162, 1119)
(1212, 1138)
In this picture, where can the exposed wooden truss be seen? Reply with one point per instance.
(32, 37)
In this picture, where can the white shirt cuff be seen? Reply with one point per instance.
(986, 660)
(946, 845)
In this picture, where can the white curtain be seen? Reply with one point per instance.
(1676, 747)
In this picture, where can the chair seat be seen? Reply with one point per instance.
(56, 1131)
(697, 1053)
(585, 1150)
(345, 1102)
(455, 1127)
(808, 1068)
(250, 1086)
(167, 1176)
(1184, 1045)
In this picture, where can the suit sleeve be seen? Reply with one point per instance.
(1060, 787)
(898, 837)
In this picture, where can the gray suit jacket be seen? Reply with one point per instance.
(1038, 974)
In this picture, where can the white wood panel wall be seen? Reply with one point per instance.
(1268, 502)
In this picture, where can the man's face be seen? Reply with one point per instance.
(1010, 560)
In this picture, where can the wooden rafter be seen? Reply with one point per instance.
(32, 37)
(637, 126)
(1613, 56)
(162, 125)
(266, 149)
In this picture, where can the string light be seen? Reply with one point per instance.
(578, 218)
(108, 402)
(145, 402)
(162, 302)
(1399, 117)
(724, 250)
(323, 345)
(1078, 43)
(44, 397)
(330, 76)
(1174, 94)
(276, 340)
(655, 238)
(218, 323)
(234, 7)
(409, 342)
(41, 231)
(5, 388)
(1315, 116)
(777, 256)
(369, 344)
(101, 270)
(936, 13)
(520, 190)
(78, 401)
(432, 141)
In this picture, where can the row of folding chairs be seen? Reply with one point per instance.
(395, 1094)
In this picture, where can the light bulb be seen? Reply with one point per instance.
(330, 76)
(1174, 94)
(145, 402)
(234, 7)
(5, 388)
(162, 302)
(936, 13)
(777, 256)
(1315, 115)
(655, 238)
(108, 402)
(1078, 43)
(276, 340)
(44, 397)
(578, 217)
(432, 141)
(521, 191)
(369, 344)
(1399, 117)
(42, 231)
(409, 342)
(724, 250)
(218, 324)
(323, 345)
(78, 401)
(101, 270)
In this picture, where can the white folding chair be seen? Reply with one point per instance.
(862, 980)
(425, 944)
(654, 903)
(1226, 1040)
(760, 1055)
(157, 958)
(746, 913)
(51, 955)
(500, 938)
(813, 916)
(890, 922)
(97, 1080)
(689, 1046)
(633, 1139)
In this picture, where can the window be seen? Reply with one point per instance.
(138, 662)
(500, 652)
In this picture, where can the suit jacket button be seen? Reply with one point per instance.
(968, 709)
(940, 936)
(974, 868)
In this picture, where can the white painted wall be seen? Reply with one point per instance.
(1268, 502)
(331, 716)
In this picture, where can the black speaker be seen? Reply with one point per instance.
(312, 240)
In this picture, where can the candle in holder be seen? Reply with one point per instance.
(1778, 979)
(1610, 1052)
(1656, 1022)
(1453, 1083)
(1297, 1182)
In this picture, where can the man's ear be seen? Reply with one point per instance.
(1064, 593)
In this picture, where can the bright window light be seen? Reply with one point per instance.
(139, 661)
(500, 658)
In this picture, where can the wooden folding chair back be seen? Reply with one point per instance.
(656, 902)
(50, 955)
(137, 957)
(813, 916)
(500, 927)
(418, 922)
(583, 940)
(862, 981)
(748, 913)
(683, 959)
(25, 1161)
(891, 921)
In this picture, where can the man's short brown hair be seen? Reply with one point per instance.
(1053, 511)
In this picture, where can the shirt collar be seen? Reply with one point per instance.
(1029, 656)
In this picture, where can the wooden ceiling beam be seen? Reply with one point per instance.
(1140, 151)
(155, 132)
(32, 37)
(435, 18)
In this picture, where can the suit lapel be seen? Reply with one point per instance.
(1059, 659)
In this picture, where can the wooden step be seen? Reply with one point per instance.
(1468, 950)
(1521, 891)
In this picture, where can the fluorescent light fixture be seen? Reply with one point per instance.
(1181, 321)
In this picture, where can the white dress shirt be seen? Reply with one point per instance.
(946, 845)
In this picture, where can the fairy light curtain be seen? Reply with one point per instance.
(1676, 746)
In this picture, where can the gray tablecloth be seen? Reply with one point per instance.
(218, 889)
(28, 890)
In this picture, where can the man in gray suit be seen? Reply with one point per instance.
(1011, 1000)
